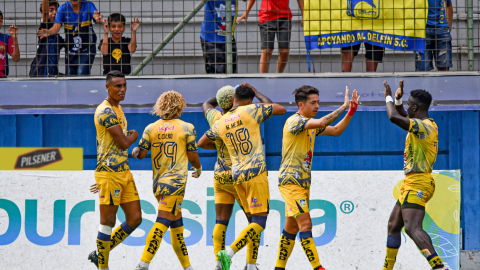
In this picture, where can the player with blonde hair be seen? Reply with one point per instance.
(173, 143)
(225, 193)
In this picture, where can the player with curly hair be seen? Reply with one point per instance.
(173, 143)
(225, 193)
(421, 149)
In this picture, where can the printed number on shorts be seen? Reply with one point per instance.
(170, 151)
(241, 140)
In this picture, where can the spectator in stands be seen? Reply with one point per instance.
(213, 34)
(45, 63)
(117, 49)
(275, 18)
(77, 16)
(8, 45)
(438, 41)
(373, 54)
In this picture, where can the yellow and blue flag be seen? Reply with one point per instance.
(393, 24)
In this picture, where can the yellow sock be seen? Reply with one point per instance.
(119, 234)
(103, 246)
(433, 259)
(219, 233)
(310, 249)
(179, 246)
(252, 250)
(390, 259)
(285, 248)
(251, 231)
(154, 238)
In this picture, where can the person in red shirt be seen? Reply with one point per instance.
(8, 45)
(274, 18)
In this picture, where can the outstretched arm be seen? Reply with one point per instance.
(398, 96)
(392, 112)
(339, 128)
(209, 104)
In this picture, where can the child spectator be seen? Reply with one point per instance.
(45, 63)
(77, 16)
(117, 49)
(8, 45)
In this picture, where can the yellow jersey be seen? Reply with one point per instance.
(169, 140)
(239, 129)
(421, 146)
(297, 152)
(110, 158)
(223, 166)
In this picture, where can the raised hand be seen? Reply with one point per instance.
(97, 16)
(135, 24)
(106, 28)
(244, 17)
(13, 31)
(399, 92)
(388, 90)
(249, 85)
(355, 98)
(42, 33)
(346, 103)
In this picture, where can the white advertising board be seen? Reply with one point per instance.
(49, 220)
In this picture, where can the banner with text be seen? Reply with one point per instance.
(49, 217)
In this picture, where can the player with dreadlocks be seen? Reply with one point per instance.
(173, 143)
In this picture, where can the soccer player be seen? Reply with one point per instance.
(294, 180)
(112, 174)
(225, 193)
(173, 143)
(239, 129)
(421, 148)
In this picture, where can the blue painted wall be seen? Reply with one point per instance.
(371, 142)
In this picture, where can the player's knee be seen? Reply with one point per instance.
(305, 225)
(393, 227)
(109, 221)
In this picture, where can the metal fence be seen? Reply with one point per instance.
(183, 55)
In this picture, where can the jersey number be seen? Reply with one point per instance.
(241, 140)
(170, 151)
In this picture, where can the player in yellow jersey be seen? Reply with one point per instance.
(421, 148)
(294, 180)
(225, 193)
(173, 143)
(239, 129)
(112, 174)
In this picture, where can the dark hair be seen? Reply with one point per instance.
(50, 3)
(423, 97)
(114, 74)
(244, 93)
(116, 17)
(302, 93)
(1, 14)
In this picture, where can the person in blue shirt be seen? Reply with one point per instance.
(45, 63)
(438, 41)
(212, 37)
(77, 16)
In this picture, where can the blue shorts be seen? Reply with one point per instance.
(438, 49)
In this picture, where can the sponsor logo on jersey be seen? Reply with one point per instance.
(166, 128)
(232, 118)
(420, 194)
(161, 200)
(179, 206)
(303, 202)
(116, 193)
(254, 203)
(38, 158)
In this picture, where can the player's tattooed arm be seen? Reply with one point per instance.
(392, 112)
(331, 117)
(258, 95)
(211, 103)
(340, 127)
(398, 95)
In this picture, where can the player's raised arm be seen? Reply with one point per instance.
(211, 103)
(392, 112)
(339, 128)
(398, 100)
(258, 95)
(329, 118)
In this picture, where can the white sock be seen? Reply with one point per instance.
(142, 264)
(251, 267)
(218, 264)
(230, 252)
(188, 268)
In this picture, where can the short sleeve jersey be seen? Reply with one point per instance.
(297, 152)
(421, 146)
(273, 10)
(6, 48)
(118, 57)
(224, 162)
(436, 13)
(239, 129)
(214, 22)
(110, 158)
(169, 140)
(79, 31)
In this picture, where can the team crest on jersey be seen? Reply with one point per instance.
(232, 118)
(420, 194)
(179, 206)
(116, 193)
(303, 203)
(254, 203)
(161, 200)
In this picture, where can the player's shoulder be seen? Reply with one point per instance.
(104, 108)
(186, 126)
